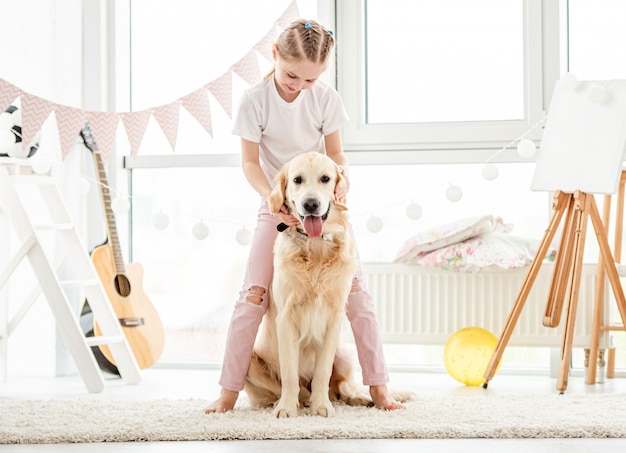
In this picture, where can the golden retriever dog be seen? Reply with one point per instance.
(296, 360)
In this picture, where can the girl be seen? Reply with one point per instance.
(287, 113)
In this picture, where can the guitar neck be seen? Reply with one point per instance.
(105, 194)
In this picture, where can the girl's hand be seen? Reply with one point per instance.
(341, 189)
(285, 217)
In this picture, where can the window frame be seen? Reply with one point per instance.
(445, 142)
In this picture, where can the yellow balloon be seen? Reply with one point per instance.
(467, 354)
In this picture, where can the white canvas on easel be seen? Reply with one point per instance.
(582, 154)
(583, 144)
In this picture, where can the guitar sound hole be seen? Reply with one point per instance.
(122, 285)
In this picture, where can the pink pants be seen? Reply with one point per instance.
(247, 316)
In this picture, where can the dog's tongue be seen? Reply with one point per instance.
(313, 226)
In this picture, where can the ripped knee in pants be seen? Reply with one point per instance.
(255, 295)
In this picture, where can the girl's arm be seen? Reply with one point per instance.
(256, 177)
(252, 168)
(334, 150)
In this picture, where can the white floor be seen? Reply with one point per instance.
(202, 383)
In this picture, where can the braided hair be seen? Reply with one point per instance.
(305, 40)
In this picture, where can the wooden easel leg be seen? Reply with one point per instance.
(598, 307)
(560, 204)
(609, 263)
(582, 203)
(562, 269)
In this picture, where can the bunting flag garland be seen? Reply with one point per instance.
(264, 46)
(69, 122)
(197, 103)
(222, 89)
(36, 110)
(135, 125)
(8, 93)
(248, 68)
(104, 124)
(290, 14)
(167, 116)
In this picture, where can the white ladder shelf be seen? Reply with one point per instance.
(76, 264)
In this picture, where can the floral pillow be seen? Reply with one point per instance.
(450, 233)
(493, 251)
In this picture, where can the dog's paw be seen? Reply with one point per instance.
(285, 410)
(324, 409)
(403, 396)
(359, 400)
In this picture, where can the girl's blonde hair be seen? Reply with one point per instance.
(305, 39)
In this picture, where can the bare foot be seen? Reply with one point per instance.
(382, 399)
(224, 403)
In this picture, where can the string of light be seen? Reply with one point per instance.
(526, 148)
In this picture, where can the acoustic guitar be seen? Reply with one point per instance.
(123, 284)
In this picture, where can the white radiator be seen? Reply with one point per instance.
(422, 305)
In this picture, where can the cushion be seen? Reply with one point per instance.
(493, 251)
(447, 234)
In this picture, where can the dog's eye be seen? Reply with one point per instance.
(297, 180)
(325, 179)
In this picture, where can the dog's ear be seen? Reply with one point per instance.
(340, 180)
(276, 200)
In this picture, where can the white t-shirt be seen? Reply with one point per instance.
(285, 129)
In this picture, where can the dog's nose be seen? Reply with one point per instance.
(311, 205)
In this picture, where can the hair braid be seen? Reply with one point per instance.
(305, 39)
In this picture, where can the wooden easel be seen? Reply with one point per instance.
(598, 326)
(577, 208)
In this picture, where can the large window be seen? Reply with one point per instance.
(443, 61)
(449, 74)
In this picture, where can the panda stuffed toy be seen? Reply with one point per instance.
(11, 135)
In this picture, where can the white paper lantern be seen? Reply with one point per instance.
(121, 204)
(526, 148)
(200, 230)
(42, 164)
(374, 224)
(490, 172)
(160, 220)
(413, 211)
(243, 236)
(598, 94)
(454, 193)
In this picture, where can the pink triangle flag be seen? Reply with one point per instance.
(135, 124)
(197, 103)
(248, 68)
(222, 89)
(290, 14)
(167, 117)
(35, 111)
(8, 93)
(70, 121)
(104, 127)
(264, 46)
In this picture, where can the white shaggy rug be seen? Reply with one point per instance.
(486, 416)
